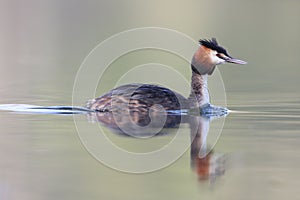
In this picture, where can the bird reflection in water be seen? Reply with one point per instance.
(206, 164)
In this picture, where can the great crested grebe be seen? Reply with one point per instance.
(141, 97)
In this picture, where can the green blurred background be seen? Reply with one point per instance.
(44, 42)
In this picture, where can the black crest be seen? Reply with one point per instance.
(213, 44)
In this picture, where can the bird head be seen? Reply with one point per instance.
(209, 55)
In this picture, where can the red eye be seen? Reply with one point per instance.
(219, 55)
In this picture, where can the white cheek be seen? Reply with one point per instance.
(215, 59)
(219, 60)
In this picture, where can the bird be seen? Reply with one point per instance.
(141, 99)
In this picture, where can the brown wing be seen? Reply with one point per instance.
(137, 97)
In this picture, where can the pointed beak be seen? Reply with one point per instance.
(229, 59)
(235, 61)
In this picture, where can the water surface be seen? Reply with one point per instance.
(258, 148)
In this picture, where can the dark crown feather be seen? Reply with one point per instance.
(213, 44)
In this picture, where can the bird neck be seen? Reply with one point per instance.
(199, 95)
